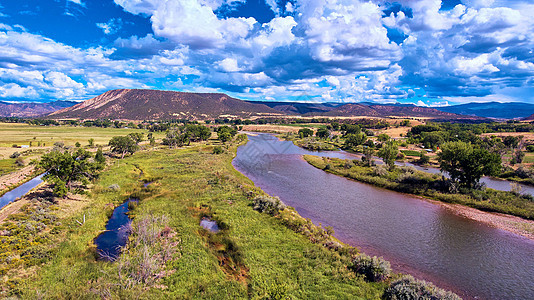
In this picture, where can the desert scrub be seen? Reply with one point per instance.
(373, 268)
(25, 238)
(408, 288)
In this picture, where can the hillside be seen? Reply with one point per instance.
(301, 107)
(134, 104)
(510, 110)
(27, 110)
(397, 110)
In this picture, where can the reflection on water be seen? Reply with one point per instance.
(417, 236)
(111, 241)
(20, 191)
(209, 225)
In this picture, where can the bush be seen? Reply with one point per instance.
(373, 268)
(20, 162)
(14, 155)
(408, 288)
(270, 205)
(217, 150)
(380, 170)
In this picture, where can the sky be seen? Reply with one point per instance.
(425, 52)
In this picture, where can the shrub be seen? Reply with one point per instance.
(217, 150)
(380, 170)
(373, 268)
(267, 204)
(14, 155)
(408, 288)
(20, 162)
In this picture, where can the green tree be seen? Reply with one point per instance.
(305, 132)
(91, 142)
(77, 145)
(354, 139)
(99, 157)
(123, 145)
(423, 158)
(322, 133)
(383, 137)
(175, 137)
(136, 136)
(466, 164)
(225, 133)
(64, 168)
(388, 153)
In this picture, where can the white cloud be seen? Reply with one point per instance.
(13, 90)
(111, 27)
(229, 65)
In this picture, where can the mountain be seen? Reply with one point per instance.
(508, 110)
(394, 110)
(137, 104)
(300, 107)
(33, 109)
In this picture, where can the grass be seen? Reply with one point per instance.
(411, 181)
(411, 153)
(8, 165)
(23, 134)
(255, 256)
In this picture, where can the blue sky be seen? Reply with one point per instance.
(427, 52)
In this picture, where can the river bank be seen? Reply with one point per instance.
(474, 259)
(254, 255)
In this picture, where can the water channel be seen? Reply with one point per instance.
(427, 240)
(20, 191)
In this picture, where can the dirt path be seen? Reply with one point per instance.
(15, 177)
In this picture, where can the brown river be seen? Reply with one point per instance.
(426, 240)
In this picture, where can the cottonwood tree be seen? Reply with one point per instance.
(388, 153)
(305, 132)
(63, 168)
(322, 133)
(466, 163)
(225, 133)
(354, 139)
(123, 145)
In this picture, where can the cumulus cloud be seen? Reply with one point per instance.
(330, 50)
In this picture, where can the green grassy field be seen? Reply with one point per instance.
(23, 134)
(255, 256)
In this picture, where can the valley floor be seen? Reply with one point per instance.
(48, 251)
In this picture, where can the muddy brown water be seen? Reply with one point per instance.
(427, 240)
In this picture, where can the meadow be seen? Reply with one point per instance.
(255, 256)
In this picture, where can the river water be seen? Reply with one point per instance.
(418, 237)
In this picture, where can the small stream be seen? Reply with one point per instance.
(20, 191)
(110, 243)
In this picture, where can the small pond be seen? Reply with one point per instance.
(210, 225)
(110, 242)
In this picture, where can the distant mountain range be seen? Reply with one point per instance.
(507, 110)
(34, 109)
(130, 104)
(137, 104)
(300, 108)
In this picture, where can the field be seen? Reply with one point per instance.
(22, 134)
(254, 256)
